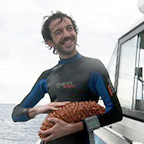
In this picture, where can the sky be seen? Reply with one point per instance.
(23, 54)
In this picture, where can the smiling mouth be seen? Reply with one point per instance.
(67, 40)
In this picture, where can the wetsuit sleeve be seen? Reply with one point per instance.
(101, 85)
(20, 112)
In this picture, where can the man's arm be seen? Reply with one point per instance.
(20, 112)
(100, 84)
(32, 112)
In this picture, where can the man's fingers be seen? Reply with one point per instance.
(45, 132)
(52, 119)
(49, 131)
(53, 108)
(49, 138)
(59, 103)
(51, 135)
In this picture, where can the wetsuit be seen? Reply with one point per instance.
(75, 79)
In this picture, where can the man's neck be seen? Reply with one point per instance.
(70, 59)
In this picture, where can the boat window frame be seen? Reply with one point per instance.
(136, 31)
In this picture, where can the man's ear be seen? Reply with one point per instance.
(50, 43)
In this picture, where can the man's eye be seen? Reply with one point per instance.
(70, 28)
(57, 32)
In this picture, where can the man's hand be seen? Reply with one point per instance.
(60, 129)
(32, 112)
(50, 107)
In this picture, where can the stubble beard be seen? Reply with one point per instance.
(68, 50)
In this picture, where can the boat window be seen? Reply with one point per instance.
(129, 76)
(139, 76)
(140, 70)
(126, 72)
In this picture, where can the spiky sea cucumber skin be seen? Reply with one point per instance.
(73, 112)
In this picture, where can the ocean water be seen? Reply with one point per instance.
(19, 132)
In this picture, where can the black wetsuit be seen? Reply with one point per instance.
(75, 79)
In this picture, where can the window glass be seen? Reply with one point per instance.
(140, 76)
(127, 72)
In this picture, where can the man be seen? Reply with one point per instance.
(74, 78)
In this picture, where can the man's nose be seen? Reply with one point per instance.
(66, 33)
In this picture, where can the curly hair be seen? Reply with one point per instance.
(45, 31)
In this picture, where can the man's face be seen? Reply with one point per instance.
(64, 37)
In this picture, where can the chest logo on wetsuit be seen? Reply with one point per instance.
(65, 85)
